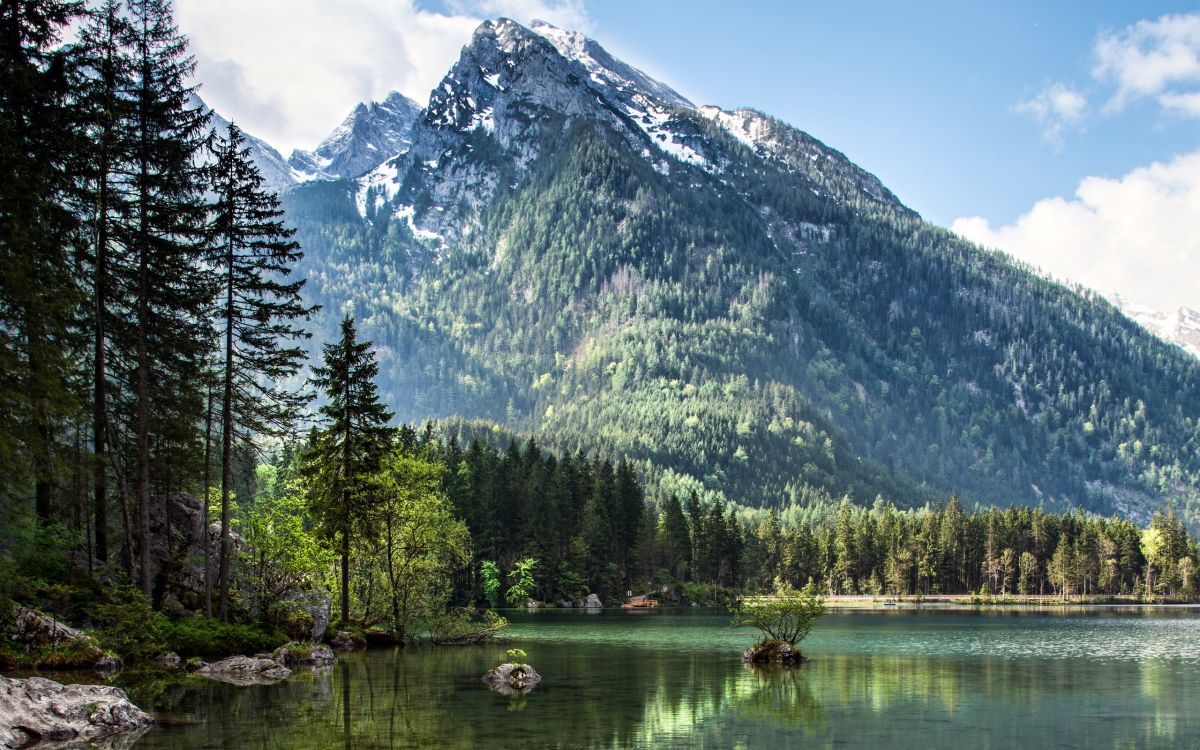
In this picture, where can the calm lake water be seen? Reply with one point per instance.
(667, 679)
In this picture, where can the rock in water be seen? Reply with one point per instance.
(593, 602)
(510, 678)
(38, 709)
(772, 652)
(245, 670)
(296, 654)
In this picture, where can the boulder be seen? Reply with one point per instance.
(245, 670)
(169, 659)
(293, 655)
(772, 652)
(593, 602)
(55, 645)
(344, 640)
(531, 604)
(38, 709)
(511, 678)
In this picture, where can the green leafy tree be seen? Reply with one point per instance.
(421, 541)
(348, 451)
(520, 582)
(786, 615)
(489, 575)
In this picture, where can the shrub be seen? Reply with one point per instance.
(213, 638)
(128, 625)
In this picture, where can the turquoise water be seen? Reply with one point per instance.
(669, 679)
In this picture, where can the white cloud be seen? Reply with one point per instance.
(565, 14)
(1055, 107)
(1149, 58)
(290, 70)
(1138, 235)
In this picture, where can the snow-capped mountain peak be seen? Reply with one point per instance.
(372, 133)
(1181, 327)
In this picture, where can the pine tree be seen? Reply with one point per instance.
(254, 256)
(350, 448)
(169, 289)
(38, 293)
(104, 83)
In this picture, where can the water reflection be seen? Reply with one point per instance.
(599, 692)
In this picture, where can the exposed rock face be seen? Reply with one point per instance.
(73, 648)
(593, 602)
(369, 135)
(293, 655)
(37, 709)
(772, 652)
(245, 670)
(510, 678)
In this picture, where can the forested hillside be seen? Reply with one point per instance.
(577, 253)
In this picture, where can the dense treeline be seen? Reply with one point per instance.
(591, 529)
(149, 325)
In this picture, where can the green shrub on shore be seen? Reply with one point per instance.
(212, 638)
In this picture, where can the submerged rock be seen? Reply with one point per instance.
(245, 670)
(38, 709)
(510, 678)
(772, 652)
(294, 654)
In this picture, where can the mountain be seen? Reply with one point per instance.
(1181, 327)
(571, 249)
(370, 134)
(277, 175)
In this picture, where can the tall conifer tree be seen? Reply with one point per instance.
(352, 445)
(170, 289)
(38, 293)
(254, 255)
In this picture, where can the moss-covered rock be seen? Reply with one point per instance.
(770, 651)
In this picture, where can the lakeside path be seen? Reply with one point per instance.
(974, 602)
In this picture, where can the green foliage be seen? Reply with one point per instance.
(786, 615)
(129, 626)
(489, 577)
(520, 582)
(419, 542)
(466, 626)
(212, 638)
(515, 655)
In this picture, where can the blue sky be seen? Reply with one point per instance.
(1065, 132)
(923, 94)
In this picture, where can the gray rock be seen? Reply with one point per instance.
(169, 659)
(344, 640)
(37, 709)
(593, 602)
(245, 670)
(510, 678)
(294, 654)
(33, 629)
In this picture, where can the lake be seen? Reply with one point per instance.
(674, 679)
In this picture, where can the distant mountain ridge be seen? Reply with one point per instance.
(1181, 327)
(567, 247)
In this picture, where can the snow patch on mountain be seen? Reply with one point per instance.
(1181, 327)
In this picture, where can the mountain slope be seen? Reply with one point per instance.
(370, 134)
(570, 248)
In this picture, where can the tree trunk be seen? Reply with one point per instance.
(227, 441)
(345, 576)
(100, 380)
(208, 419)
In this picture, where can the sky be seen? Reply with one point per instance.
(1065, 133)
